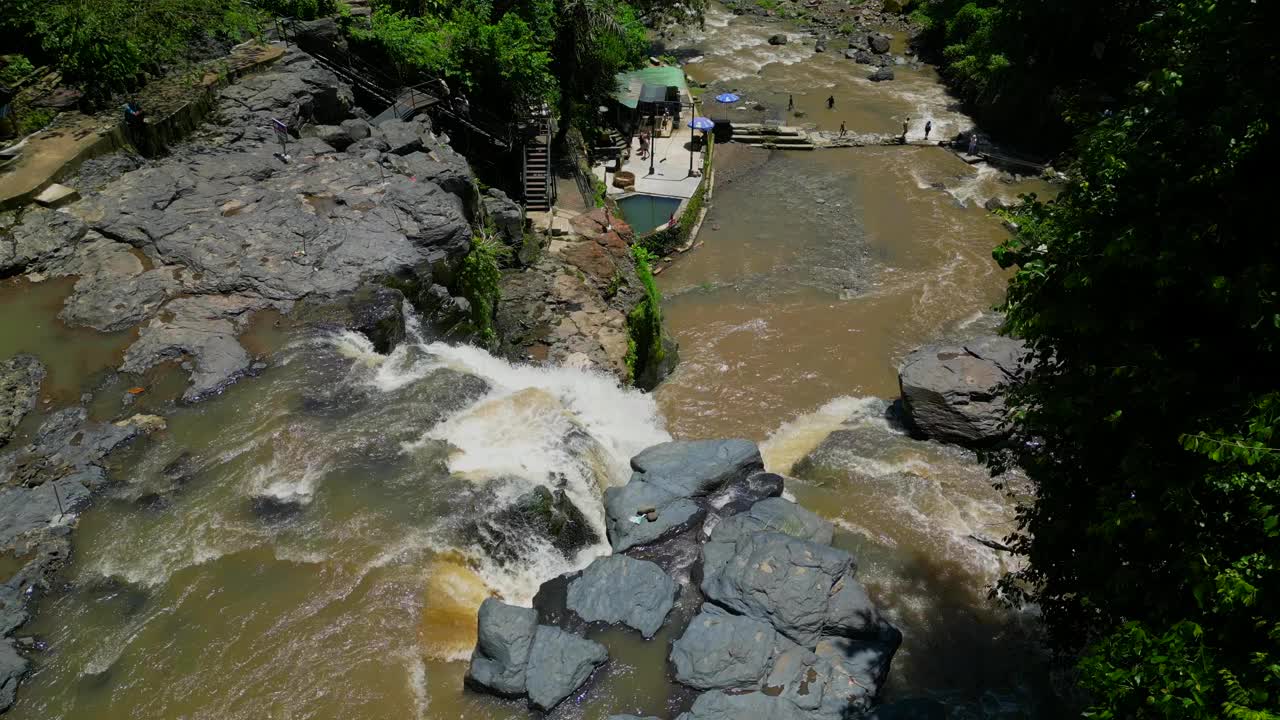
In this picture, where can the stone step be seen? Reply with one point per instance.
(775, 139)
(760, 129)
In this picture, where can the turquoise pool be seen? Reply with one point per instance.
(646, 212)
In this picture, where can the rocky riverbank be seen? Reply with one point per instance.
(761, 617)
(185, 249)
(768, 618)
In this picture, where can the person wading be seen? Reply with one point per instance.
(905, 124)
(831, 102)
(843, 131)
(928, 127)
(791, 103)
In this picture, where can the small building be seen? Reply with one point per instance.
(652, 92)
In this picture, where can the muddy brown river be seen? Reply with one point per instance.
(193, 595)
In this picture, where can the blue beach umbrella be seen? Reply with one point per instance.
(727, 98)
(702, 123)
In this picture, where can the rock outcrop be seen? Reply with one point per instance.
(20, 378)
(768, 620)
(619, 589)
(43, 485)
(659, 499)
(955, 393)
(516, 657)
(542, 514)
(569, 305)
(192, 245)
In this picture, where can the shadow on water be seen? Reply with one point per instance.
(978, 658)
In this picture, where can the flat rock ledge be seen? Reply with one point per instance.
(187, 248)
(759, 615)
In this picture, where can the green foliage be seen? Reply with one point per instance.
(500, 59)
(34, 119)
(601, 191)
(106, 46)
(595, 40)
(17, 69)
(644, 323)
(1026, 68)
(478, 281)
(300, 9)
(1149, 292)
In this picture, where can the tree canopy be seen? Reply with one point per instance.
(1150, 295)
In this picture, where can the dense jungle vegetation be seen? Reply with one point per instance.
(1150, 294)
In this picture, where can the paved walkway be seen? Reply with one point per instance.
(671, 167)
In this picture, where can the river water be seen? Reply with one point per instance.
(304, 545)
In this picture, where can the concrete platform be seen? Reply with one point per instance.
(671, 168)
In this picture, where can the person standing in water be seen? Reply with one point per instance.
(905, 124)
(831, 102)
(973, 142)
(843, 132)
(791, 103)
(928, 127)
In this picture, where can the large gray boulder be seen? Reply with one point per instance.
(12, 668)
(858, 670)
(402, 137)
(878, 42)
(840, 680)
(955, 394)
(20, 378)
(774, 515)
(740, 495)
(721, 705)
(803, 589)
(619, 589)
(721, 650)
(378, 313)
(699, 467)
(559, 662)
(628, 510)
(506, 215)
(505, 634)
(881, 75)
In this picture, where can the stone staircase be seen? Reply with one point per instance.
(771, 136)
(539, 184)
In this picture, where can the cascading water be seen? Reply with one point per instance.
(819, 271)
(314, 542)
(294, 532)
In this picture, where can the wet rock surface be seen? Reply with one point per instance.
(43, 485)
(569, 305)
(541, 513)
(619, 589)
(955, 393)
(769, 620)
(516, 657)
(190, 246)
(20, 378)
